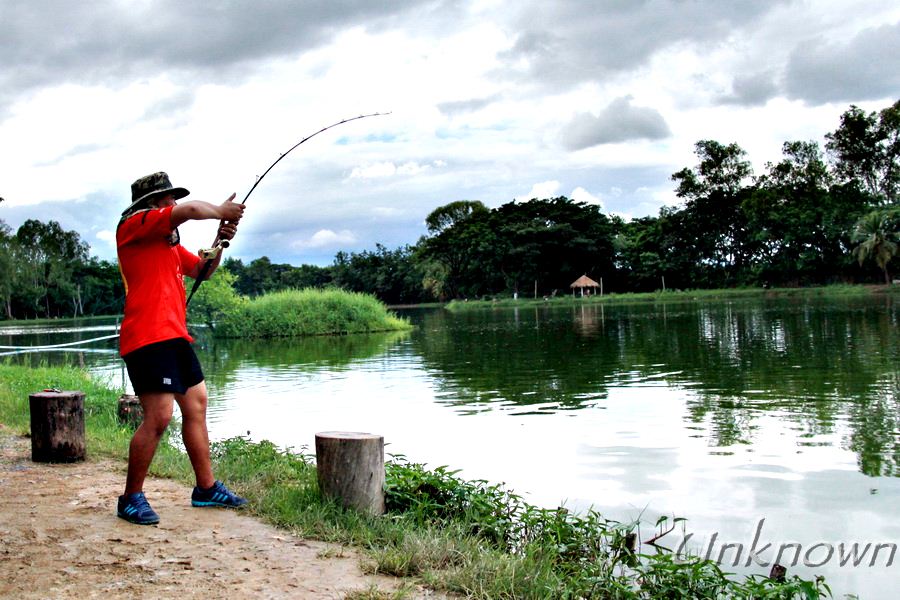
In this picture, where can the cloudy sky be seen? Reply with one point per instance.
(490, 100)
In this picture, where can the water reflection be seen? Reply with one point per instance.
(810, 364)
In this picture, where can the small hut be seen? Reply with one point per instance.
(584, 282)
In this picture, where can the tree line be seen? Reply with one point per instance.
(816, 216)
(48, 272)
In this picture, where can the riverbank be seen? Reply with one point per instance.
(471, 538)
(822, 292)
(61, 539)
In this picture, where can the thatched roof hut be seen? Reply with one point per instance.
(583, 282)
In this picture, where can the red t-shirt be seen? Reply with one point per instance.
(153, 272)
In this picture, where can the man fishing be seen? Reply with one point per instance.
(154, 341)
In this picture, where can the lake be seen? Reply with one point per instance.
(771, 425)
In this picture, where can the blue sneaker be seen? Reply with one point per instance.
(134, 508)
(217, 495)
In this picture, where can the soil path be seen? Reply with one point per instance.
(60, 538)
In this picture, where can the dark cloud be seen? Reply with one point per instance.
(754, 89)
(174, 104)
(567, 42)
(865, 68)
(620, 121)
(458, 107)
(74, 151)
(48, 42)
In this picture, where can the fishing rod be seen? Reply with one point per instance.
(209, 255)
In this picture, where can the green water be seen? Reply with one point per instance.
(775, 419)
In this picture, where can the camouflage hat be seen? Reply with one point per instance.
(145, 188)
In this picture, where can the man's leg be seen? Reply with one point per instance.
(157, 409)
(194, 433)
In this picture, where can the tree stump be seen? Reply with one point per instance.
(57, 426)
(130, 411)
(778, 573)
(350, 469)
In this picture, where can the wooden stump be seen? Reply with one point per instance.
(350, 469)
(130, 411)
(57, 426)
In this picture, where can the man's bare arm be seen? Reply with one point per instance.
(198, 210)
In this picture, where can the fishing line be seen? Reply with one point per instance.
(53, 346)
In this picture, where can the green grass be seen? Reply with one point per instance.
(829, 291)
(470, 537)
(305, 312)
(105, 436)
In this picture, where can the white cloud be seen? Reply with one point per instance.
(387, 169)
(411, 168)
(580, 194)
(109, 237)
(542, 190)
(386, 211)
(325, 238)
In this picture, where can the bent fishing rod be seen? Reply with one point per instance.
(209, 255)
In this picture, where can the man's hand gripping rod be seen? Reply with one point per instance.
(210, 254)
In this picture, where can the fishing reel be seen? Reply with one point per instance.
(213, 253)
(209, 253)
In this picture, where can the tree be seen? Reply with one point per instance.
(877, 239)
(48, 256)
(465, 247)
(449, 214)
(7, 267)
(865, 151)
(390, 275)
(799, 221)
(551, 242)
(217, 299)
(713, 192)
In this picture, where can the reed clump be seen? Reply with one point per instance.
(291, 313)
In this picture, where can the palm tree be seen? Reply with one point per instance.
(874, 232)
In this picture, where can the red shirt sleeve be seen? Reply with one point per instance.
(188, 259)
(152, 223)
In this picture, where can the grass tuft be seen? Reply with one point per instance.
(292, 313)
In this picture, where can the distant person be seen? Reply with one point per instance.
(154, 341)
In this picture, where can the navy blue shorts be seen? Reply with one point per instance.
(167, 366)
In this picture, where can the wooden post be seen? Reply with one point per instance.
(57, 426)
(130, 411)
(778, 573)
(350, 469)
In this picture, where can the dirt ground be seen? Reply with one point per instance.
(60, 538)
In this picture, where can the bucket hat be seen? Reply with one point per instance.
(150, 186)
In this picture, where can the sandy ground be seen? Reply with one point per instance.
(60, 538)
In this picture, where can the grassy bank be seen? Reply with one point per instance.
(469, 537)
(830, 291)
